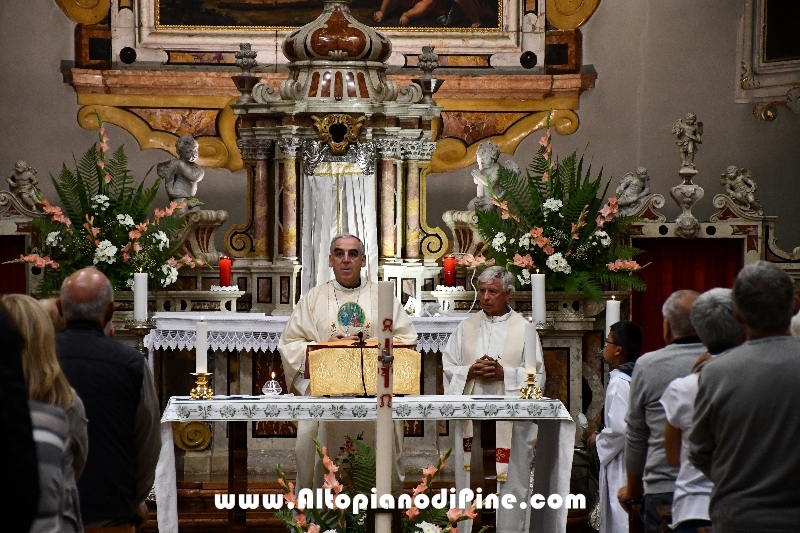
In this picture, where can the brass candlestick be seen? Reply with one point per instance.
(140, 328)
(530, 390)
(202, 389)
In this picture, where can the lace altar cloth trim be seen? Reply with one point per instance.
(283, 408)
(260, 333)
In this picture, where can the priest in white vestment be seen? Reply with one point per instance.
(487, 355)
(334, 311)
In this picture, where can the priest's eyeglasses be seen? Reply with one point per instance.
(611, 342)
(353, 254)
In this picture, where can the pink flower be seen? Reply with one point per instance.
(430, 471)
(412, 513)
(545, 140)
(313, 528)
(107, 178)
(537, 232)
(607, 213)
(471, 512)
(419, 489)
(103, 147)
(300, 520)
(330, 482)
(142, 227)
(134, 234)
(624, 265)
(172, 262)
(349, 447)
(328, 464)
(137, 247)
(523, 262)
(545, 175)
(454, 514)
(39, 261)
(548, 250)
(55, 211)
(101, 163)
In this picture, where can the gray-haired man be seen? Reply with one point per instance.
(649, 475)
(745, 419)
(486, 356)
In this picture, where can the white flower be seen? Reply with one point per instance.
(52, 238)
(105, 251)
(525, 241)
(605, 240)
(161, 239)
(100, 202)
(498, 243)
(427, 527)
(557, 263)
(125, 220)
(552, 205)
(170, 274)
(525, 278)
(129, 283)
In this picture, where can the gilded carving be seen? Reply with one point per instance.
(85, 11)
(191, 436)
(570, 14)
(214, 152)
(345, 131)
(452, 154)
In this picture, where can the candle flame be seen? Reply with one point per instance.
(273, 375)
(537, 270)
(613, 297)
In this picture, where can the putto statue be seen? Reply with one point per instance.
(632, 191)
(23, 184)
(182, 175)
(485, 176)
(687, 134)
(739, 185)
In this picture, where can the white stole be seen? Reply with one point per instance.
(512, 358)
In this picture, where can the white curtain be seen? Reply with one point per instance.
(338, 198)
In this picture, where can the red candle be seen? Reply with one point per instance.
(224, 271)
(450, 271)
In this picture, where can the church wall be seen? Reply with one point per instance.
(655, 61)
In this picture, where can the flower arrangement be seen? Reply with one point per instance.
(104, 222)
(552, 221)
(355, 475)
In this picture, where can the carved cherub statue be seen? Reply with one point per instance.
(687, 134)
(741, 188)
(23, 184)
(632, 190)
(485, 176)
(182, 175)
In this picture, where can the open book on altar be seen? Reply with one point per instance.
(335, 369)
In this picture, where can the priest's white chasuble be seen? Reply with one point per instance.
(323, 312)
(337, 198)
(502, 338)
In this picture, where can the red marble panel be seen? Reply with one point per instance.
(471, 127)
(194, 122)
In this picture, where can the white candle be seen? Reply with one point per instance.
(140, 297)
(384, 426)
(201, 347)
(531, 348)
(538, 306)
(612, 313)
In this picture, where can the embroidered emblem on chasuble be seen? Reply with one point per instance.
(351, 316)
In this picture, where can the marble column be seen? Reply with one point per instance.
(411, 154)
(261, 199)
(388, 189)
(289, 147)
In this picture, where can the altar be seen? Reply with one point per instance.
(553, 452)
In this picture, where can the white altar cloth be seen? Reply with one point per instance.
(260, 332)
(554, 448)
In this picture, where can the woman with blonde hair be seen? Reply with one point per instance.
(47, 384)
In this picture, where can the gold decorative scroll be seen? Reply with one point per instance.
(336, 371)
(85, 11)
(452, 154)
(191, 436)
(349, 130)
(570, 14)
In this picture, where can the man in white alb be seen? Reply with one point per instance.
(335, 311)
(488, 355)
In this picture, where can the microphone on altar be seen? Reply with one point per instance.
(361, 349)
